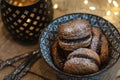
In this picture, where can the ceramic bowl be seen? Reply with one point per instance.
(108, 29)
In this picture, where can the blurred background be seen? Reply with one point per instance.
(108, 9)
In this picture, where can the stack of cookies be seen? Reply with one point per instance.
(80, 49)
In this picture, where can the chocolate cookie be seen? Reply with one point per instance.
(74, 34)
(82, 61)
(58, 55)
(96, 33)
(104, 56)
(85, 52)
(99, 45)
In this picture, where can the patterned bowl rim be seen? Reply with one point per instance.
(21, 6)
(72, 75)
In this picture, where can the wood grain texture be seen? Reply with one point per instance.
(10, 48)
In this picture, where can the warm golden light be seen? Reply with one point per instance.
(115, 3)
(108, 13)
(15, 3)
(22, 2)
(92, 8)
(28, 20)
(55, 6)
(109, 1)
(85, 2)
(11, 1)
(116, 13)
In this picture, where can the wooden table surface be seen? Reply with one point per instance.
(10, 48)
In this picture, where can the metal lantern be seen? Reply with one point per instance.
(25, 19)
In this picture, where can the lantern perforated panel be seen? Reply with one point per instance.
(25, 23)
